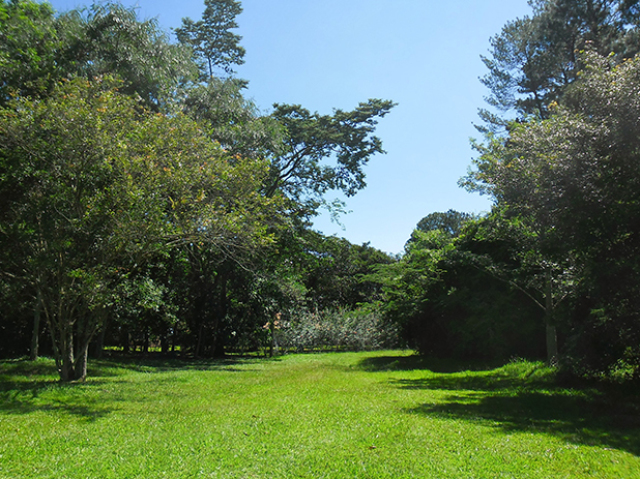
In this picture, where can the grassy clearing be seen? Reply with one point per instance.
(337, 415)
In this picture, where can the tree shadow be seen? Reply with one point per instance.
(23, 397)
(23, 382)
(604, 416)
(23, 367)
(157, 364)
(417, 362)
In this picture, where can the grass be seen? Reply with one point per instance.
(335, 415)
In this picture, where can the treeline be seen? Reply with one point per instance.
(144, 202)
(554, 268)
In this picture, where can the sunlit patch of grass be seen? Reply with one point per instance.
(358, 415)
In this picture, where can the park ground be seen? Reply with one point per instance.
(384, 414)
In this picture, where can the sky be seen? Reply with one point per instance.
(423, 55)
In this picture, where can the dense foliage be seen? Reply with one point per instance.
(574, 179)
(534, 58)
(554, 266)
(144, 202)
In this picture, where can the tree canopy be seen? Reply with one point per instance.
(212, 41)
(534, 58)
(145, 203)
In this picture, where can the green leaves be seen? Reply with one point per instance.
(214, 45)
(302, 172)
(129, 187)
(573, 181)
(91, 184)
(28, 44)
(534, 59)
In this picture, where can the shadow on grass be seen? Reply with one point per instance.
(118, 365)
(23, 382)
(23, 397)
(417, 362)
(603, 416)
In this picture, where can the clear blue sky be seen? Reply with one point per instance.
(422, 54)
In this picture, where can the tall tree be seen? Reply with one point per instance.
(233, 120)
(523, 254)
(446, 303)
(110, 39)
(213, 42)
(28, 45)
(303, 172)
(37, 49)
(91, 188)
(450, 223)
(338, 274)
(576, 176)
(534, 58)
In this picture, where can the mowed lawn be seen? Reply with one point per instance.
(336, 415)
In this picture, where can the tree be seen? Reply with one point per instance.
(338, 274)
(232, 120)
(38, 49)
(224, 267)
(450, 223)
(28, 44)
(300, 171)
(213, 43)
(446, 304)
(110, 40)
(83, 207)
(515, 250)
(534, 58)
(576, 176)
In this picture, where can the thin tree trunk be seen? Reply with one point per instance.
(164, 343)
(221, 313)
(552, 345)
(57, 355)
(126, 342)
(99, 348)
(145, 341)
(174, 337)
(35, 335)
(552, 338)
(199, 343)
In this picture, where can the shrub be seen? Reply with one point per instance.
(338, 330)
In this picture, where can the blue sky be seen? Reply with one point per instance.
(422, 54)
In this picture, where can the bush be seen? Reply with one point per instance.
(336, 330)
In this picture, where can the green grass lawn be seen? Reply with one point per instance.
(336, 415)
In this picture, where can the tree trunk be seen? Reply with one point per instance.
(126, 340)
(217, 346)
(174, 336)
(552, 338)
(67, 372)
(145, 341)
(35, 335)
(164, 343)
(199, 343)
(99, 347)
(80, 370)
(552, 345)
